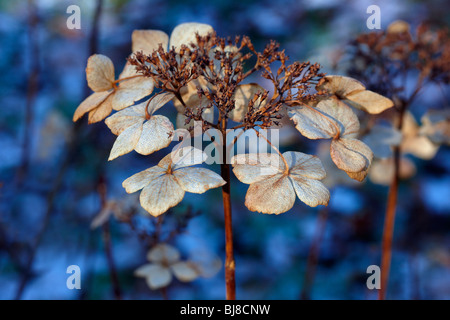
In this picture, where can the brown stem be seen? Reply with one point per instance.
(313, 255)
(230, 282)
(389, 220)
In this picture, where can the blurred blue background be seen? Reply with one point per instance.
(50, 168)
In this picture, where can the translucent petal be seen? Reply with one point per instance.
(156, 134)
(126, 141)
(148, 40)
(123, 119)
(312, 122)
(251, 168)
(158, 101)
(190, 96)
(197, 180)
(90, 103)
(185, 34)
(343, 116)
(242, 96)
(140, 180)
(103, 110)
(341, 86)
(305, 165)
(155, 275)
(350, 155)
(132, 90)
(309, 191)
(184, 157)
(100, 73)
(185, 271)
(163, 252)
(369, 101)
(274, 195)
(160, 195)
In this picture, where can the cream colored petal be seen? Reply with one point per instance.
(419, 146)
(156, 275)
(132, 90)
(158, 101)
(123, 119)
(351, 155)
(343, 115)
(436, 126)
(197, 180)
(184, 157)
(185, 34)
(126, 141)
(251, 168)
(90, 103)
(382, 171)
(369, 101)
(274, 195)
(341, 86)
(100, 73)
(163, 252)
(102, 111)
(359, 176)
(309, 191)
(190, 96)
(410, 128)
(129, 70)
(313, 123)
(141, 179)
(304, 165)
(156, 134)
(160, 195)
(144, 271)
(398, 26)
(242, 96)
(105, 213)
(148, 41)
(185, 271)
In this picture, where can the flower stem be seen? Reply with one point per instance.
(230, 282)
(388, 231)
(389, 220)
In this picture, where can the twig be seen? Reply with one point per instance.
(389, 222)
(106, 236)
(33, 87)
(313, 255)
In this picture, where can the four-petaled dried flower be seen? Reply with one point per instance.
(276, 179)
(164, 185)
(332, 119)
(110, 94)
(165, 262)
(138, 128)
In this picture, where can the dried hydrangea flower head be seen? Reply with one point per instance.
(164, 185)
(206, 78)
